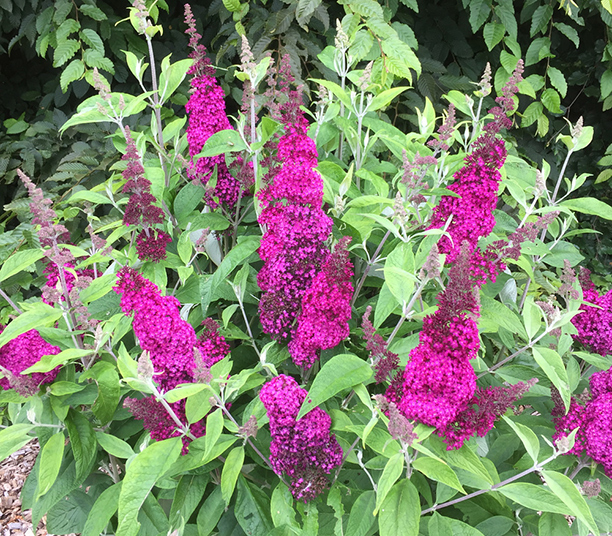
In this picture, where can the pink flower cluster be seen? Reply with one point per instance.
(140, 210)
(385, 363)
(594, 420)
(594, 324)
(438, 386)
(206, 111)
(172, 345)
(304, 450)
(477, 183)
(326, 309)
(293, 246)
(20, 354)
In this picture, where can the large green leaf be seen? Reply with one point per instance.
(51, 456)
(589, 205)
(401, 511)
(362, 517)
(140, 477)
(210, 512)
(339, 373)
(83, 442)
(38, 314)
(19, 261)
(13, 438)
(532, 496)
(231, 470)
(235, 257)
(252, 509)
(437, 470)
(566, 490)
(103, 510)
(392, 471)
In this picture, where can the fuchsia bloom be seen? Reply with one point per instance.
(20, 354)
(477, 183)
(293, 246)
(594, 420)
(594, 324)
(206, 111)
(304, 450)
(326, 309)
(171, 343)
(161, 331)
(438, 386)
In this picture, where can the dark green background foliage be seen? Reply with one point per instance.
(49, 47)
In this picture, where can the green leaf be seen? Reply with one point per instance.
(495, 526)
(187, 496)
(550, 98)
(528, 437)
(82, 441)
(493, 33)
(93, 12)
(92, 39)
(98, 288)
(49, 362)
(231, 470)
(437, 470)
(19, 261)
(531, 114)
(281, 507)
(39, 314)
(540, 18)
(87, 195)
(13, 438)
(479, 13)
(499, 314)
(304, 11)
(361, 518)
(439, 525)
(532, 318)
(64, 51)
(210, 512)
(109, 390)
(337, 91)
(568, 32)
(72, 72)
(235, 257)
(401, 58)
(251, 509)
(552, 365)
(197, 406)
(224, 141)
(214, 427)
(170, 79)
(465, 458)
(187, 200)
(589, 205)
(103, 510)
(60, 388)
(399, 272)
(140, 477)
(366, 8)
(532, 496)
(339, 373)
(115, 446)
(392, 471)
(383, 99)
(557, 79)
(51, 456)
(184, 391)
(400, 513)
(566, 490)
(553, 525)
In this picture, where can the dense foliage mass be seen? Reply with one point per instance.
(278, 315)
